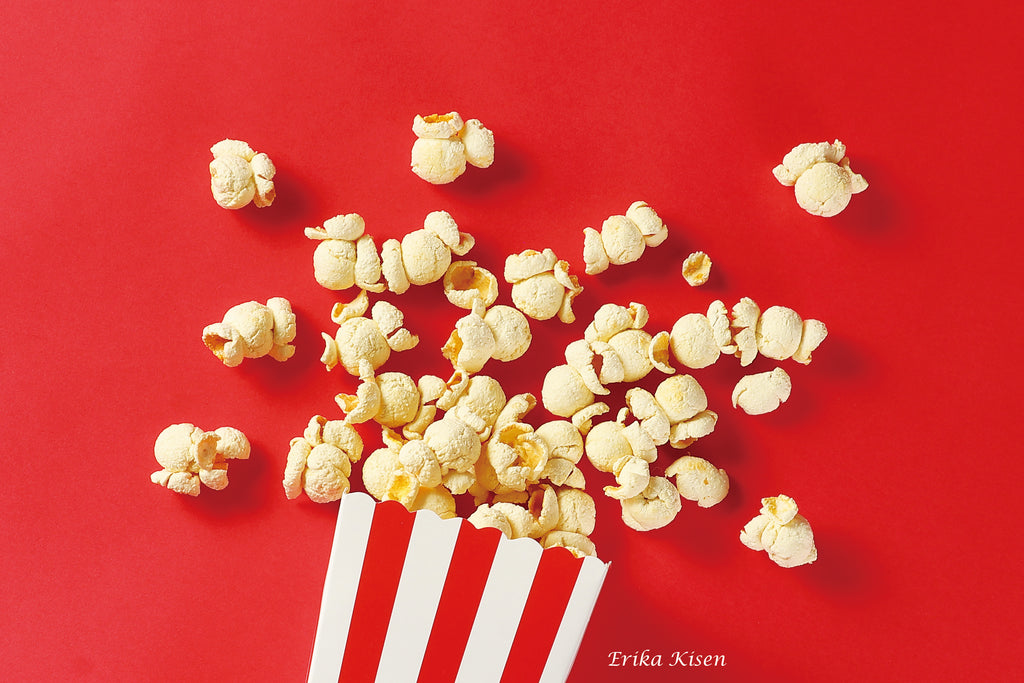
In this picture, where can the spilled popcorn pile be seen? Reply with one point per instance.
(464, 436)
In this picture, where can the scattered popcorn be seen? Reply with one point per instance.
(696, 268)
(821, 177)
(190, 456)
(252, 330)
(623, 451)
(320, 461)
(676, 413)
(762, 392)
(654, 507)
(622, 239)
(445, 144)
(502, 333)
(465, 282)
(238, 175)
(541, 285)
(698, 480)
(361, 339)
(782, 532)
(345, 255)
(536, 518)
(423, 256)
(692, 341)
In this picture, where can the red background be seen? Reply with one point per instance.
(899, 442)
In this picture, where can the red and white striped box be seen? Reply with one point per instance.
(412, 597)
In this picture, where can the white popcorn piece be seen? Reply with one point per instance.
(676, 413)
(423, 256)
(579, 545)
(345, 256)
(821, 177)
(622, 239)
(541, 285)
(564, 392)
(782, 532)
(503, 333)
(253, 330)
(190, 456)
(698, 480)
(745, 315)
(320, 461)
(534, 519)
(693, 342)
(455, 444)
(654, 507)
(361, 339)
(238, 175)
(696, 269)
(445, 144)
(762, 392)
(465, 282)
(479, 403)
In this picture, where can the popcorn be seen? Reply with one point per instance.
(763, 392)
(238, 175)
(423, 256)
(361, 339)
(781, 532)
(320, 461)
(696, 268)
(502, 333)
(190, 456)
(464, 282)
(539, 515)
(252, 330)
(622, 239)
(676, 413)
(345, 255)
(541, 285)
(654, 507)
(698, 480)
(623, 451)
(821, 177)
(692, 341)
(445, 144)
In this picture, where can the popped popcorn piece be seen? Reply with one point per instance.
(762, 392)
(698, 480)
(455, 444)
(676, 413)
(479, 404)
(654, 507)
(361, 339)
(465, 282)
(692, 341)
(696, 268)
(745, 315)
(423, 256)
(238, 175)
(541, 285)
(821, 177)
(539, 515)
(320, 461)
(190, 456)
(445, 144)
(579, 545)
(502, 333)
(626, 452)
(564, 392)
(252, 330)
(782, 532)
(345, 256)
(622, 239)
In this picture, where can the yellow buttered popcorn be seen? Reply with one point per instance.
(190, 456)
(696, 268)
(238, 175)
(781, 532)
(821, 178)
(252, 330)
(445, 144)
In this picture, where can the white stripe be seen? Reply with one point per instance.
(350, 537)
(501, 607)
(574, 621)
(419, 592)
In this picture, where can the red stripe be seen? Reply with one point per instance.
(460, 597)
(549, 595)
(382, 568)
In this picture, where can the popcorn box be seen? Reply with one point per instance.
(412, 597)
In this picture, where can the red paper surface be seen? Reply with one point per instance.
(899, 442)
